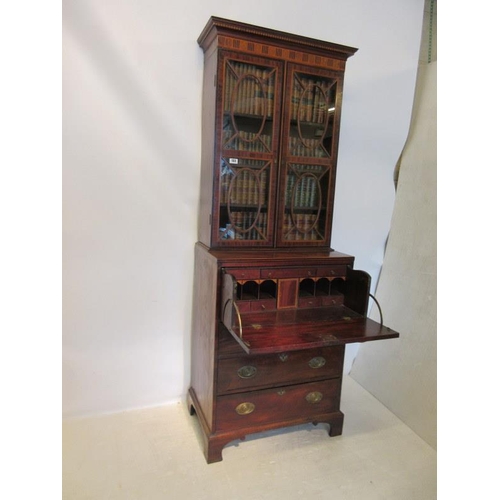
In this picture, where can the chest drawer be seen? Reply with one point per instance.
(251, 372)
(278, 404)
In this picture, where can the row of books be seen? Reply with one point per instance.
(254, 89)
(306, 223)
(304, 228)
(307, 190)
(246, 141)
(310, 100)
(242, 222)
(246, 189)
(306, 147)
(249, 90)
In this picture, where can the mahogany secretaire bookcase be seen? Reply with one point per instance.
(273, 305)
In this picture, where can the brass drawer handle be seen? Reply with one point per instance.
(247, 371)
(314, 397)
(283, 357)
(245, 408)
(317, 362)
(281, 392)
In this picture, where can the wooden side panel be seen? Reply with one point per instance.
(207, 148)
(203, 339)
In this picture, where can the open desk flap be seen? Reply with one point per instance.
(287, 322)
(291, 330)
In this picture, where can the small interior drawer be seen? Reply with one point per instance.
(244, 274)
(255, 371)
(326, 271)
(288, 272)
(277, 404)
(263, 305)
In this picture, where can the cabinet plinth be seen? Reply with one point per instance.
(274, 306)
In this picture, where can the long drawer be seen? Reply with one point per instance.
(246, 372)
(267, 406)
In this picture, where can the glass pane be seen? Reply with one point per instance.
(311, 117)
(244, 199)
(305, 202)
(248, 107)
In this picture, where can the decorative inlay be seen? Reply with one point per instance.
(286, 54)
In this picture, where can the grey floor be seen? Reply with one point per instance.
(155, 453)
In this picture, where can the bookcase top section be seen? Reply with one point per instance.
(218, 26)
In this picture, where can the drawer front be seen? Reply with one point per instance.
(326, 271)
(252, 372)
(309, 301)
(277, 405)
(332, 300)
(288, 272)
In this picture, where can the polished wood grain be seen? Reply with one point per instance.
(273, 304)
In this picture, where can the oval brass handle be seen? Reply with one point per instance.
(317, 362)
(314, 397)
(245, 408)
(247, 371)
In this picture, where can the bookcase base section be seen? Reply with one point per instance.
(214, 442)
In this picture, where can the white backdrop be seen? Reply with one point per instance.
(132, 78)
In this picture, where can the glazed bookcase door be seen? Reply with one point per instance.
(308, 156)
(248, 148)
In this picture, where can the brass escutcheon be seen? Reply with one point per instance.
(317, 362)
(314, 397)
(247, 371)
(245, 408)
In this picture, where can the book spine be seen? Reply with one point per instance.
(309, 100)
(270, 97)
